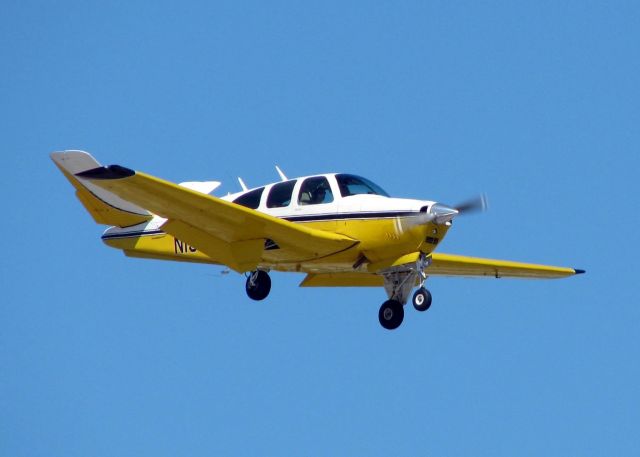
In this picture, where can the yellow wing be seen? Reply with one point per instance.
(442, 265)
(458, 265)
(229, 233)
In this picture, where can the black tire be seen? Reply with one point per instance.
(422, 299)
(261, 286)
(391, 314)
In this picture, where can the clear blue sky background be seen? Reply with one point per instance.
(535, 103)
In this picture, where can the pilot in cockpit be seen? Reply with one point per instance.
(318, 194)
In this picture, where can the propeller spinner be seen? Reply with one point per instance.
(440, 213)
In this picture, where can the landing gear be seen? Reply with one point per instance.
(399, 281)
(258, 285)
(391, 314)
(422, 299)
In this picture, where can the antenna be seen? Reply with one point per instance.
(242, 184)
(282, 176)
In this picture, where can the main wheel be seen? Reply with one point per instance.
(422, 299)
(258, 285)
(391, 314)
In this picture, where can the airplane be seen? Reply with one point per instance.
(340, 229)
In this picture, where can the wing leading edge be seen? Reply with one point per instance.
(231, 234)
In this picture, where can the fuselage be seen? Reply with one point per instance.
(340, 203)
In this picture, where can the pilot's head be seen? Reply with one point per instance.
(318, 195)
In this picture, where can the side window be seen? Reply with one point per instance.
(250, 199)
(280, 194)
(315, 191)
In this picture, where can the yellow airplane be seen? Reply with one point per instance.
(340, 229)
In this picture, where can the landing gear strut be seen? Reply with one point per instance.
(258, 285)
(398, 283)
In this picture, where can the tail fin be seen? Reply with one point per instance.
(104, 207)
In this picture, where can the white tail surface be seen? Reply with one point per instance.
(74, 162)
(205, 187)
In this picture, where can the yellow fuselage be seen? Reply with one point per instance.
(379, 239)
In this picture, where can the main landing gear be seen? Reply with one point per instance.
(391, 314)
(258, 285)
(398, 283)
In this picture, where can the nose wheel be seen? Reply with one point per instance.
(422, 299)
(258, 285)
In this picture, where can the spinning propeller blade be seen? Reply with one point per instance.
(476, 204)
(439, 213)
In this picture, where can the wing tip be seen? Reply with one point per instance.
(579, 272)
(110, 172)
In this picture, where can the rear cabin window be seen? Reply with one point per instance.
(315, 191)
(250, 199)
(356, 185)
(280, 194)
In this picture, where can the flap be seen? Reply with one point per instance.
(342, 280)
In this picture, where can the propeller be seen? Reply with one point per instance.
(474, 205)
(439, 213)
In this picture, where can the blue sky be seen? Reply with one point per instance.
(535, 103)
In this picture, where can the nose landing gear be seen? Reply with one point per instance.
(422, 299)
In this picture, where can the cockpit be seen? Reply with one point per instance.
(314, 190)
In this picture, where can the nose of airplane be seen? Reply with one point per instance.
(442, 214)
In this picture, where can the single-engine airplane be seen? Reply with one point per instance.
(340, 229)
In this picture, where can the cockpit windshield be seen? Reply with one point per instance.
(357, 185)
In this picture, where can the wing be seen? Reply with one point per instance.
(442, 265)
(232, 234)
(458, 265)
